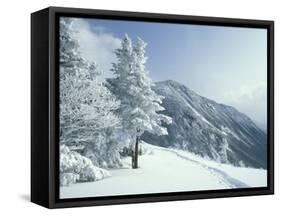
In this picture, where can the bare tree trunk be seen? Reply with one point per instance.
(133, 158)
(136, 154)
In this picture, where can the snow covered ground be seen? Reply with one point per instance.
(168, 170)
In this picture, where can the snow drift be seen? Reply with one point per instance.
(77, 168)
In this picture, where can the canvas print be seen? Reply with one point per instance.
(149, 107)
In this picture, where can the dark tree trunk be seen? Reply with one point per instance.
(135, 154)
(133, 158)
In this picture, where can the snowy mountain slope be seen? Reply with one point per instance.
(209, 129)
(168, 170)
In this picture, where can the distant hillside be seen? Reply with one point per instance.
(209, 129)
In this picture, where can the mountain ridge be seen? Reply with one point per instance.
(209, 129)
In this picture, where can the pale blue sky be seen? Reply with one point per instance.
(227, 64)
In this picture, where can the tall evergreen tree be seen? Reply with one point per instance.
(86, 105)
(140, 105)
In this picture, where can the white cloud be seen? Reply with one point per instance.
(251, 100)
(97, 45)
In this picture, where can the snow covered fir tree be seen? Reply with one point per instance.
(140, 105)
(124, 130)
(86, 109)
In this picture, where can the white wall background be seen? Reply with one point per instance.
(15, 107)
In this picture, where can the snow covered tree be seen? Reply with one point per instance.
(140, 105)
(86, 105)
(76, 168)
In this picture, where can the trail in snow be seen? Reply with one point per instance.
(223, 176)
(168, 170)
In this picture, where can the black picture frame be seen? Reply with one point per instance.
(45, 106)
